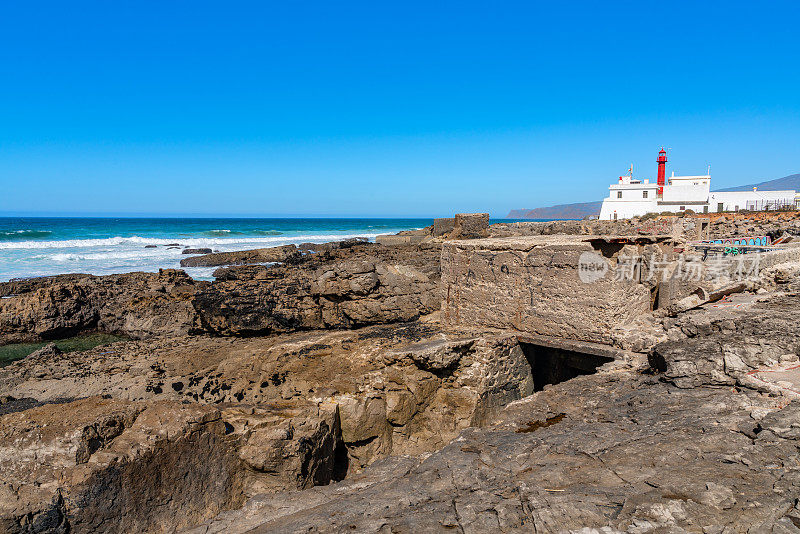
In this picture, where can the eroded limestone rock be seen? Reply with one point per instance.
(724, 345)
(110, 465)
(613, 452)
(401, 389)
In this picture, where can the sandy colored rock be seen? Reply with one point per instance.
(616, 453)
(110, 465)
(443, 226)
(394, 392)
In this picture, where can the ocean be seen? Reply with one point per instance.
(41, 246)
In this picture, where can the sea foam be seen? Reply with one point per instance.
(127, 254)
(194, 241)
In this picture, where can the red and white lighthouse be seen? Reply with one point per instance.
(662, 171)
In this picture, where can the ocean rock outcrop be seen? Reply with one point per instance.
(470, 226)
(443, 226)
(328, 393)
(341, 287)
(259, 255)
(137, 304)
(341, 295)
(726, 345)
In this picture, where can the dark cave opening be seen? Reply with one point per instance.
(552, 365)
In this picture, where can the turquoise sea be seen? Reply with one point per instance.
(39, 246)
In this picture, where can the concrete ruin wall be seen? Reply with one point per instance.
(443, 226)
(532, 285)
(470, 226)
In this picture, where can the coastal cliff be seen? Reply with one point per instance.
(578, 210)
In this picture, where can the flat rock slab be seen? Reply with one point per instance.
(403, 389)
(619, 451)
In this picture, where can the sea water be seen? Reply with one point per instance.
(39, 246)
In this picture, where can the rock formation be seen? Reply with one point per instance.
(260, 255)
(470, 226)
(97, 464)
(346, 286)
(137, 304)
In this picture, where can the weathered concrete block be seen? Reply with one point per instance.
(532, 284)
(390, 240)
(470, 226)
(443, 226)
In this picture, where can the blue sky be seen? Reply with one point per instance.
(378, 108)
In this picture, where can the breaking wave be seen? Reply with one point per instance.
(225, 233)
(266, 240)
(23, 234)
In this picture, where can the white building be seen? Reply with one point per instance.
(630, 197)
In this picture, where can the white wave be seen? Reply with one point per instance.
(194, 241)
(122, 254)
(200, 273)
(127, 254)
(12, 232)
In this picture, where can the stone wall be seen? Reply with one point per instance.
(470, 226)
(532, 285)
(743, 223)
(689, 228)
(443, 226)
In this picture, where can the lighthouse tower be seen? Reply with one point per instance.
(662, 171)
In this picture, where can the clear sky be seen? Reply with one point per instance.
(385, 108)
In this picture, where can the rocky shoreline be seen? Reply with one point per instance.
(456, 378)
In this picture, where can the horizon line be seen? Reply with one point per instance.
(145, 215)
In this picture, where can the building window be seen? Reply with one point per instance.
(644, 194)
(615, 215)
(682, 208)
(619, 194)
(705, 209)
